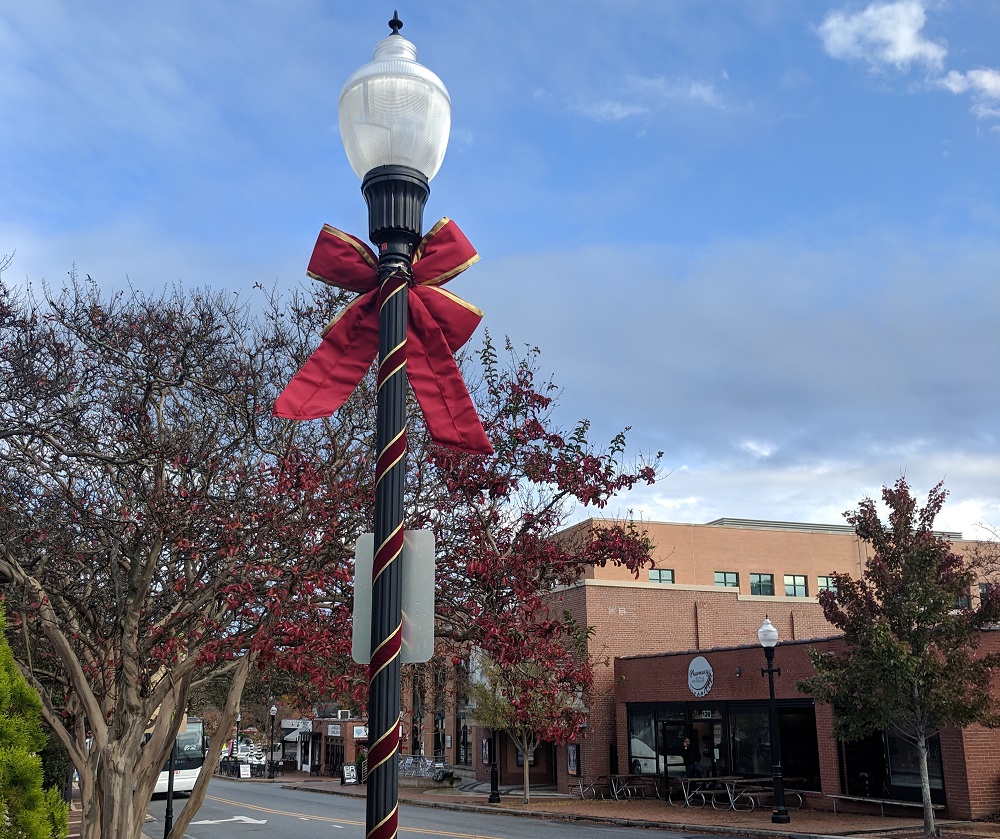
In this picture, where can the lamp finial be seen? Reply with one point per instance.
(395, 24)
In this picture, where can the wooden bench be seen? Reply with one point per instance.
(882, 802)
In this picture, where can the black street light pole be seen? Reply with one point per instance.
(494, 771)
(395, 118)
(168, 815)
(270, 751)
(768, 636)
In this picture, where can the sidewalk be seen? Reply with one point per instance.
(473, 796)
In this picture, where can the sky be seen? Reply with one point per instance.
(764, 235)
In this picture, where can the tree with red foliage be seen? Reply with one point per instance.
(161, 528)
(503, 549)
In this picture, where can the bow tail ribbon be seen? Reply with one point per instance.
(451, 416)
(337, 366)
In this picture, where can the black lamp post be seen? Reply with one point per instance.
(768, 636)
(270, 752)
(494, 771)
(395, 118)
(168, 815)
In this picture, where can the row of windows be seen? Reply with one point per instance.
(795, 584)
(964, 601)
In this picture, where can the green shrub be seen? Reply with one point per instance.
(26, 812)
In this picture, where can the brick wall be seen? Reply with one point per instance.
(632, 618)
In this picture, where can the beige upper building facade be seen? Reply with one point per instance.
(759, 558)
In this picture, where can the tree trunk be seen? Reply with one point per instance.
(89, 804)
(527, 795)
(925, 783)
(197, 796)
(118, 811)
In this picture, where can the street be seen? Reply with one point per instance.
(233, 809)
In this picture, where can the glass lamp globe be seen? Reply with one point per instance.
(767, 634)
(394, 111)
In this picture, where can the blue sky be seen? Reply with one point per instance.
(766, 235)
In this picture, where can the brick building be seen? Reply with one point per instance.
(707, 594)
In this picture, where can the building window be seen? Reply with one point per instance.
(984, 590)
(826, 584)
(795, 585)
(963, 601)
(727, 578)
(661, 575)
(762, 584)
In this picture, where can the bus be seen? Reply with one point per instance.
(189, 756)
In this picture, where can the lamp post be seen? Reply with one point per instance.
(395, 118)
(768, 636)
(270, 752)
(494, 771)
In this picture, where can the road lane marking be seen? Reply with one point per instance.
(243, 819)
(331, 820)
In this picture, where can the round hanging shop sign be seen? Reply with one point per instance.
(701, 677)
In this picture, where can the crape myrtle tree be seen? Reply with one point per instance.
(496, 518)
(161, 529)
(502, 555)
(912, 661)
(499, 520)
(164, 532)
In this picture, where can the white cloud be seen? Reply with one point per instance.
(610, 111)
(984, 86)
(889, 34)
(985, 82)
(643, 95)
(660, 90)
(757, 448)
(882, 34)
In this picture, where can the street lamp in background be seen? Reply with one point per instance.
(768, 636)
(270, 754)
(395, 118)
(494, 771)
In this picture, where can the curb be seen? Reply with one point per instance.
(754, 833)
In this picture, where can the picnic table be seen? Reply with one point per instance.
(620, 787)
(723, 791)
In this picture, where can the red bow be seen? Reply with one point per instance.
(438, 324)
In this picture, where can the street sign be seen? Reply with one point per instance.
(417, 582)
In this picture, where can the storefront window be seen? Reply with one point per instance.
(751, 744)
(750, 741)
(642, 742)
(904, 761)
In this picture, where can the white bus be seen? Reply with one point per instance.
(189, 756)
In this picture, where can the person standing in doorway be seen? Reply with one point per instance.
(692, 760)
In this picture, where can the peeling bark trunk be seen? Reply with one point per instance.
(197, 797)
(925, 784)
